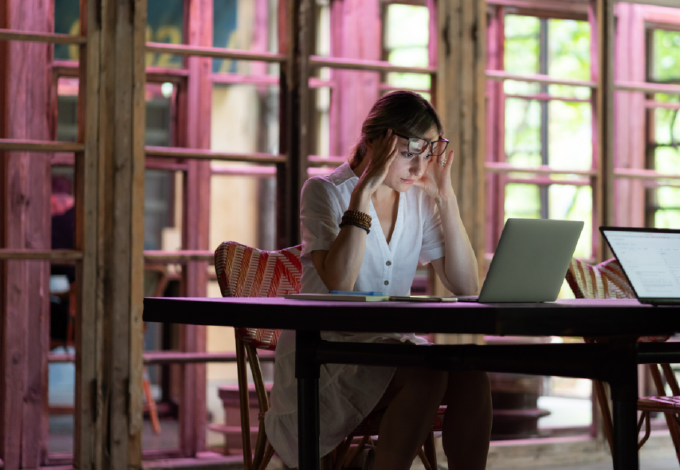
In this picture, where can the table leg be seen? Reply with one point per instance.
(307, 374)
(624, 389)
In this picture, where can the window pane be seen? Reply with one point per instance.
(407, 49)
(569, 49)
(570, 135)
(666, 64)
(523, 132)
(522, 44)
(66, 21)
(241, 25)
(568, 202)
(522, 201)
(165, 23)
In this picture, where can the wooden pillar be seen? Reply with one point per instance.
(601, 13)
(25, 199)
(630, 116)
(461, 89)
(192, 414)
(120, 226)
(495, 129)
(294, 41)
(88, 432)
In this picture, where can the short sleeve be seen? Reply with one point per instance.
(433, 239)
(320, 216)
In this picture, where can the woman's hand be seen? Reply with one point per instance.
(436, 181)
(383, 153)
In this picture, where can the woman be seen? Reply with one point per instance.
(365, 228)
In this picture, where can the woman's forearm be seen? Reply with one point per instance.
(340, 268)
(460, 262)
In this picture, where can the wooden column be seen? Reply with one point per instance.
(294, 41)
(88, 432)
(192, 414)
(601, 14)
(25, 200)
(120, 179)
(461, 89)
(495, 129)
(630, 115)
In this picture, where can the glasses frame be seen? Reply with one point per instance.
(427, 143)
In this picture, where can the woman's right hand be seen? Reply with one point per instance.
(384, 151)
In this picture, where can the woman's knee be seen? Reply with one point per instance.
(472, 384)
(431, 382)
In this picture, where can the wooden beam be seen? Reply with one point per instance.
(30, 145)
(604, 98)
(639, 174)
(46, 255)
(174, 357)
(367, 65)
(294, 17)
(461, 103)
(88, 427)
(647, 87)
(184, 256)
(501, 75)
(502, 167)
(213, 52)
(51, 38)
(200, 154)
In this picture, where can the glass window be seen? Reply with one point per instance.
(165, 23)
(66, 21)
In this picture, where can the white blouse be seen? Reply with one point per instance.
(348, 393)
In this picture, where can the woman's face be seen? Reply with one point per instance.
(408, 168)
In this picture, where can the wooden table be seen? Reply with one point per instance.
(614, 361)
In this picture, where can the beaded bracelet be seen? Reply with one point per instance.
(356, 224)
(357, 215)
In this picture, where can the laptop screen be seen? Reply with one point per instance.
(650, 259)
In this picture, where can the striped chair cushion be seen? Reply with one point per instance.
(602, 281)
(243, 271)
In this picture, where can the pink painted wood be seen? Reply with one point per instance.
(26, 95)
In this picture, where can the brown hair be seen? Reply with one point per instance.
(405, 112)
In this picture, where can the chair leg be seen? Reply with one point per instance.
(430, 451)
(341, 452)
(353, 455)
(153, 411)
(607, 424)
(424, 460)
(268, 453)
(244, 402)
(671, 418)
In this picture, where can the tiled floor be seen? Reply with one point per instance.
(645, 464)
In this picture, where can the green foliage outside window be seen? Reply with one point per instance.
(665, 201)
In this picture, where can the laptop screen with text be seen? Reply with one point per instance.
(651, 261)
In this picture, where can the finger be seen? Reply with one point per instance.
(449, 161)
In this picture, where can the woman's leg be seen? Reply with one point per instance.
(412, 399)
(467, 422)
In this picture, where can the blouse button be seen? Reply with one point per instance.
(387, 282)
(389, 263)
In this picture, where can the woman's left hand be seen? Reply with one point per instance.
(436, 181)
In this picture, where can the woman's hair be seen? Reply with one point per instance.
(405, 112)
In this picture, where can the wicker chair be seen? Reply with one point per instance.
(607, 281)
(243, 271)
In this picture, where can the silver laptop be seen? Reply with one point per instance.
(650, 259)
(531, 261)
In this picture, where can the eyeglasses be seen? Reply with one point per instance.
(417, 146)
